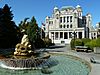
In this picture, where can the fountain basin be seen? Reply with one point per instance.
(24, 62)
(57, 64)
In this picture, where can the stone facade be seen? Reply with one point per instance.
(98, 29)
(66, 21)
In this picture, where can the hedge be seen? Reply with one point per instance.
(85, 40)
(93, 43)
(76, 42)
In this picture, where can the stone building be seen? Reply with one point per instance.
(67, 23)
(98, 29)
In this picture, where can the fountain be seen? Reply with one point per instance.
(24, 57)
(26, 61)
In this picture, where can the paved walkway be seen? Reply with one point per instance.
(95, 66)
(63, 48)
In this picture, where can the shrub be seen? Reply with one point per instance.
(47, 42)
(39, 43)
(76, 42)
(91, 44)
(98, 42)
(72, 44)
(86, 40)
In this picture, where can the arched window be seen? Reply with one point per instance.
(94, 34)
(71, 26)
(68, 26)
(60, 19)
(57, 16)
(64, 19)
(70, 18)
(64, 26)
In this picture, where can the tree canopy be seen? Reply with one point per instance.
(33, 31)
(8, 28)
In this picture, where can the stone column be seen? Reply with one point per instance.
(63, 34)
(50, 36)
(77, 34)
(54, 35)
(82, 34)
(58, 35)
(68, 34)
(62, 20)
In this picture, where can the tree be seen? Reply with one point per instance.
(24, 24)
(33, 32)
(8, 34)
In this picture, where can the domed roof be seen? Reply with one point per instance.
(67, 7)
(55, 8)
(78, 6)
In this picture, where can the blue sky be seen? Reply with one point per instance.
(42, 8)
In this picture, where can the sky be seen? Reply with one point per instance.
(42, 8)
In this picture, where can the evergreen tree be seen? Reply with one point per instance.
(24, 24)
(8, 34)
(33, 32)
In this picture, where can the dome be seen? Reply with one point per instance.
(78, 6)
(55, 8)
(67, 8)
(47, 17)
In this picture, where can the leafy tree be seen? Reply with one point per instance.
(8, 34)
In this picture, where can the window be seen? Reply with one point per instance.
(67, 26)
(62, 41)
(60, 26)
(50, 22)
(57, 16)
(80, 35)
(56, 35)
(46, 20)
(67, 18)
(71, 26)
(64, 26)
(60, 19)
(61, 34)
(64, 19)
(65, 35)
(70, 18)
(94, 34)
(52, 33)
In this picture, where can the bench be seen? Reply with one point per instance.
(81, 48)
(92, 60)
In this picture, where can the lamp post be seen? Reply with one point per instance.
(74, 35)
